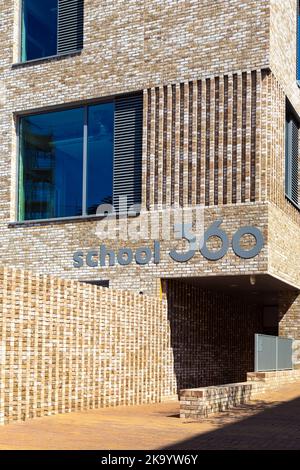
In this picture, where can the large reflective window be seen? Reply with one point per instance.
(66, 160)
(39, 29)
(51, 162)
(100, 156)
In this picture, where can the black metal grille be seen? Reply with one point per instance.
(128, 151)
(70, 26)
(292, 159)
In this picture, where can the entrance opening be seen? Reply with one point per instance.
(213, 322)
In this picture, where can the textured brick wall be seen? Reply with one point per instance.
(135, 44)
(216, 142)
(54, 245)
(203, 142)
(213, 134)
(213, 121)
(283, 46)
(212, 335)
(284, 246)
(67, 346)
(202, 402)
(273, 149)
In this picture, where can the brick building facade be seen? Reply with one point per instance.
(216, 79)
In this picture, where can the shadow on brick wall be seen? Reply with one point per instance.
(212, 335)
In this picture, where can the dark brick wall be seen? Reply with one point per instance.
(212, 335)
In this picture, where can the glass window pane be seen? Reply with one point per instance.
(51, 162)
(39, 29)
(100, 156)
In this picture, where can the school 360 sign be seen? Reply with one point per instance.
(145, 255)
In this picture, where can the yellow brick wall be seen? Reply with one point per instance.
(67, 346)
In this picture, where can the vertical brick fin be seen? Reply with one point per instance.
(229, 136)
(177, 147)
(128, 151)
(258, 133)
(194, 110)
(280, 142)
(274, 111)
(185, 146)
(278, 174)
(217, 138)
(248, 138)
(173, 140)
(207, 141)
(190, 143)
(199, 142)
(160, 152)
(219, 188)
(270, 138)
(70, 26)
(165, 139)
(253, 136)
(244, 134)
(212, 141)
(225, 141)
(264, 117)
(168, 146)
(181, 142)
(156, 145)
(234, 138)
(239, 140)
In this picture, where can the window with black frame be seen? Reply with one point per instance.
(74, 160)
(50, 27)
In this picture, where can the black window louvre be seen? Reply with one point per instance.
(298, 43)
(70, 26)
(292, 158)
(128, 152)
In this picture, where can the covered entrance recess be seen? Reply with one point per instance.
(213, 321)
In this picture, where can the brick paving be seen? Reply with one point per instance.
(270, 424)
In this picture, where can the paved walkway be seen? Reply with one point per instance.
(271, 424)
